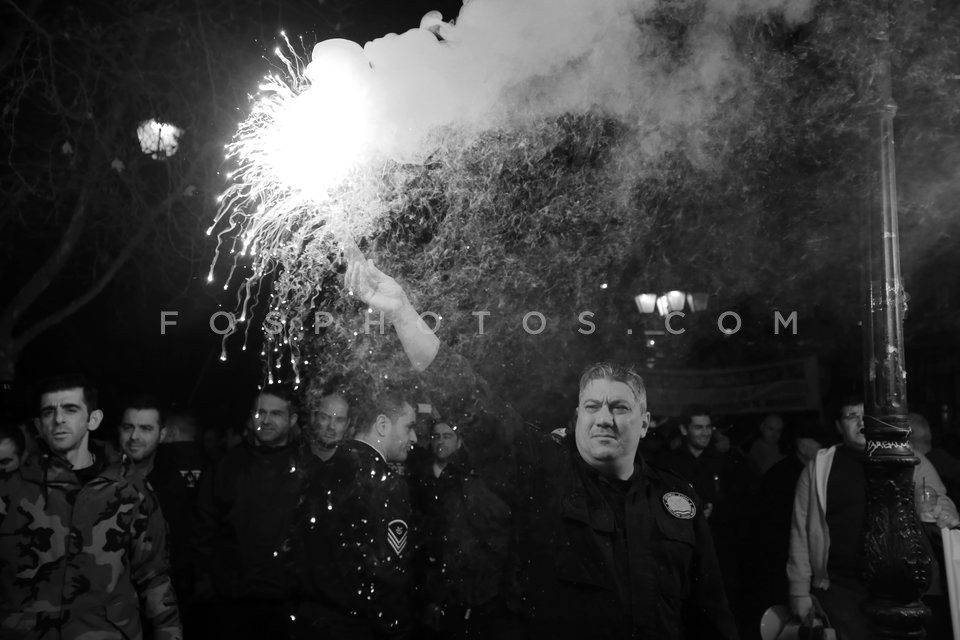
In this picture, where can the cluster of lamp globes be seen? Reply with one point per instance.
(671, 301)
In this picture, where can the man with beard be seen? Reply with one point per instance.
(161, 448)
(244, 510)
(141, 428)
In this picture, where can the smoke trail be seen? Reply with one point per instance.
(319, 146)
(508, 62)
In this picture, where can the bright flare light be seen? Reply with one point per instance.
(304, 179)
(309, 139)
(327, 146)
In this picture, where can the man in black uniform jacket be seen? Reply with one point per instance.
(610, 546)
(245, 506)
(606, 546)
(351, 543)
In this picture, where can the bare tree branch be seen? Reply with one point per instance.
(94, 289)
(44, 276)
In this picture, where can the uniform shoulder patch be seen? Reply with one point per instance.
(397, 536)
(679, 505)
(190, 477)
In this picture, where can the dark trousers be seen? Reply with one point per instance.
(319, 622)
(252, 620)
(486, 622)
(842, 602)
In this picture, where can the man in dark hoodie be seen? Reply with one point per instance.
(82, 540)
(244, 511)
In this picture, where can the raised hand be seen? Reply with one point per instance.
(382, 293)
(377, 290)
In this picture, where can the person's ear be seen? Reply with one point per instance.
(96, 417)
(683, 429)
(644, 423)
(382, 425)
(293, 419)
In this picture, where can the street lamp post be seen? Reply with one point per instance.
(895, 555)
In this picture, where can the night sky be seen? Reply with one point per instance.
(116, 338)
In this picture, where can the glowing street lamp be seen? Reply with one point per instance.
(675, 300)
(698, 301)
(671, 301)
(646, 302)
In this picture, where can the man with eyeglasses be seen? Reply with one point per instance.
(327, 426)
(828, 514)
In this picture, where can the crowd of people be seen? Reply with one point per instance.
(371, 511)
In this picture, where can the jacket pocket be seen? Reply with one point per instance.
(675, 552)
(583, 564)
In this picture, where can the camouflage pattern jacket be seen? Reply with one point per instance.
(82, 561)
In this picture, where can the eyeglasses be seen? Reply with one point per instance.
(852, 416)
(443, 436)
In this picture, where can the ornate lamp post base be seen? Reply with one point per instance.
(896, 558)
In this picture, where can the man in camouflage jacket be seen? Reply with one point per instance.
(82, 542)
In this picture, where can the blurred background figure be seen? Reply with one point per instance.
(176, 481)
(722, 483)
(771, 513)
(466, 536)
(947, 466)
(764, 450)
(328, 425)
(12, 448)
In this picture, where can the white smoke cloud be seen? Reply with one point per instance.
(314, 153)
(504, 62)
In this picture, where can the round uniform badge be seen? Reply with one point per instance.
(679, 505)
